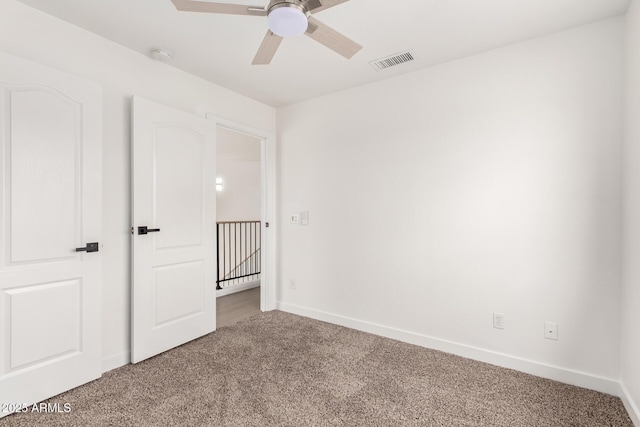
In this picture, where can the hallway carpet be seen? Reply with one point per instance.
(278, 369)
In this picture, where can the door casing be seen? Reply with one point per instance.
(267, 206)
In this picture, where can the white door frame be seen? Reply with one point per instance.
(267, 206)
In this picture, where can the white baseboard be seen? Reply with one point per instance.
(629, 404)
(237, 288)
(568, 376)
(115, 361)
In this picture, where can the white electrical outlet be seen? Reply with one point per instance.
(292, 284)
(304, 218)
(498, 320)
(551, 330)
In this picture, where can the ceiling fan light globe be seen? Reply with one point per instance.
(287, 21)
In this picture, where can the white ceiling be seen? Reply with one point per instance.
(220, 48)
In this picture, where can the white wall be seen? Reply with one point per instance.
(488, 184)
(631, 262)
(122, 72)
(238, 164)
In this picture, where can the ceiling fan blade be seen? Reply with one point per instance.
(209, 7)
(332, 39)
(267, 49)
(315, 6)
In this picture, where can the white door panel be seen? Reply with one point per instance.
(179, 166)
(60, 310)
(180, 291)
(50, 135)
(173, 192)
(44, 173)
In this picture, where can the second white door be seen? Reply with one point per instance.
(173, 228)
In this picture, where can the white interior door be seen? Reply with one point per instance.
(173, 162)
(50, 190)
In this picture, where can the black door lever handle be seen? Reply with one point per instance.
(91, 247)
(144, 230)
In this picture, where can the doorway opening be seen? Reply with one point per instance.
(239, 175)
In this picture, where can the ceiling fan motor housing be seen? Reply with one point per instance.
(287, 18)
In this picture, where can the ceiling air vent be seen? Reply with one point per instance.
(392, 61)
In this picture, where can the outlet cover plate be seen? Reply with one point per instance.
(551, 330)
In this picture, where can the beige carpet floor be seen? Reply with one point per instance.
(277, 369)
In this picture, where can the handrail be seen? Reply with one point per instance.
(237, 222)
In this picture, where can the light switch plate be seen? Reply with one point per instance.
(294, 218)
(498, 320)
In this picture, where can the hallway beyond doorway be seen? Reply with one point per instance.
(235, 307)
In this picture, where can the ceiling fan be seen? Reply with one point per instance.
(285, 18)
